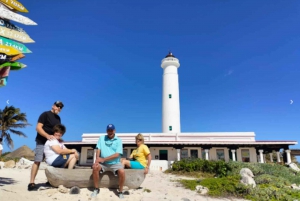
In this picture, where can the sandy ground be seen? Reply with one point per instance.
(13, 187)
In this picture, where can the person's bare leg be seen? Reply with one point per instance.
(126, 163)
(121, 174)
(71, 161)
(34, 170)
(96, 171)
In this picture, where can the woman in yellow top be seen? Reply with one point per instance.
(140, 157)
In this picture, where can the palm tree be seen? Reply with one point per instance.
(10, 119)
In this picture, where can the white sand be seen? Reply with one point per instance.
(13, 187)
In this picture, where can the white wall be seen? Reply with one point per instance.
(253, 156)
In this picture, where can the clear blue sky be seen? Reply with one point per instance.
(239, 66)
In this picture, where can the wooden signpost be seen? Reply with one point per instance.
(7, 24)
(9, 50)
(15, 5)
(22, 48)
(13, 65)
(3, 81)
(5, 58)
(7, 14)
(4, 72)
(16, 57)
(15, 35)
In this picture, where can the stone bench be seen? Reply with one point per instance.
(83, 178)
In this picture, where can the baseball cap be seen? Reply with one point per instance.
(59, 103)
(110, 127)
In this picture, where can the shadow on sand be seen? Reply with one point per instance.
(7, 181)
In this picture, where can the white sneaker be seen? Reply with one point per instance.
(121, 196)
(95, 193)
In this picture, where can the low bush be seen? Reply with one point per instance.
(219, 168)
(273, 180)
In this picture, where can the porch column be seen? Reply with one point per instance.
(206, 154)
(178, 154)
(288, 156)
(278, 157)
(271, 157)
(233, 154)
(95, 153)
(261, 156)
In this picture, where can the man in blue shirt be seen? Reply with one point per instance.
(109, 151)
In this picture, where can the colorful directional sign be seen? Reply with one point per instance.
(3, 58)
(7, 14)
(15, 5)
(9, 50)
(16, 57)
(13, 65)
(15, 35)
(7, 24)
(22, 48)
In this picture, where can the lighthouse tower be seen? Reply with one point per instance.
(170, 94)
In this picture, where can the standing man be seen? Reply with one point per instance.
(1, 147)
(44, 128)
(109, 151)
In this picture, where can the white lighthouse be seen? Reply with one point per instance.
(170, 94)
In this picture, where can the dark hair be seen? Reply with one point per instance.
(59, 128)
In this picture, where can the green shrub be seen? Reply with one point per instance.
(219, 168)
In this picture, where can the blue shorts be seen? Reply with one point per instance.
(136, 165)
(60, 161)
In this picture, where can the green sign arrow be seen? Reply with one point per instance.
(13, 65)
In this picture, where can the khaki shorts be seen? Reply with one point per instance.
(112, 168)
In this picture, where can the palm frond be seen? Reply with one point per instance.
(10, 119)
(19, 133)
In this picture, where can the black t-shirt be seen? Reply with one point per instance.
(49, 120)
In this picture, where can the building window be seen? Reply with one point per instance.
(183, 153)
(245, 155)
(125, 153)
(170, 128)
(90, 156)
(170, 95)
(194, 153)
(220, 154)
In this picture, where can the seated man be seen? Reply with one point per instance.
(109, 151)
(56, 154)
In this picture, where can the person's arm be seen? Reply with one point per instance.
(111, 157)
(149, 158)
(40, 130)
(57, 149)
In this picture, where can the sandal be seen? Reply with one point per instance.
(31, 186)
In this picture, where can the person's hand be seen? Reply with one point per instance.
(95, 165)
(50, 137)
(76, 153)
(146, 170)
(100, 160)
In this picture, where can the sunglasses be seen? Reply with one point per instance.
(139, 140)
(59, 106)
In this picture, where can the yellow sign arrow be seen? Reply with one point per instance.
(16, 5)
(9, 50)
